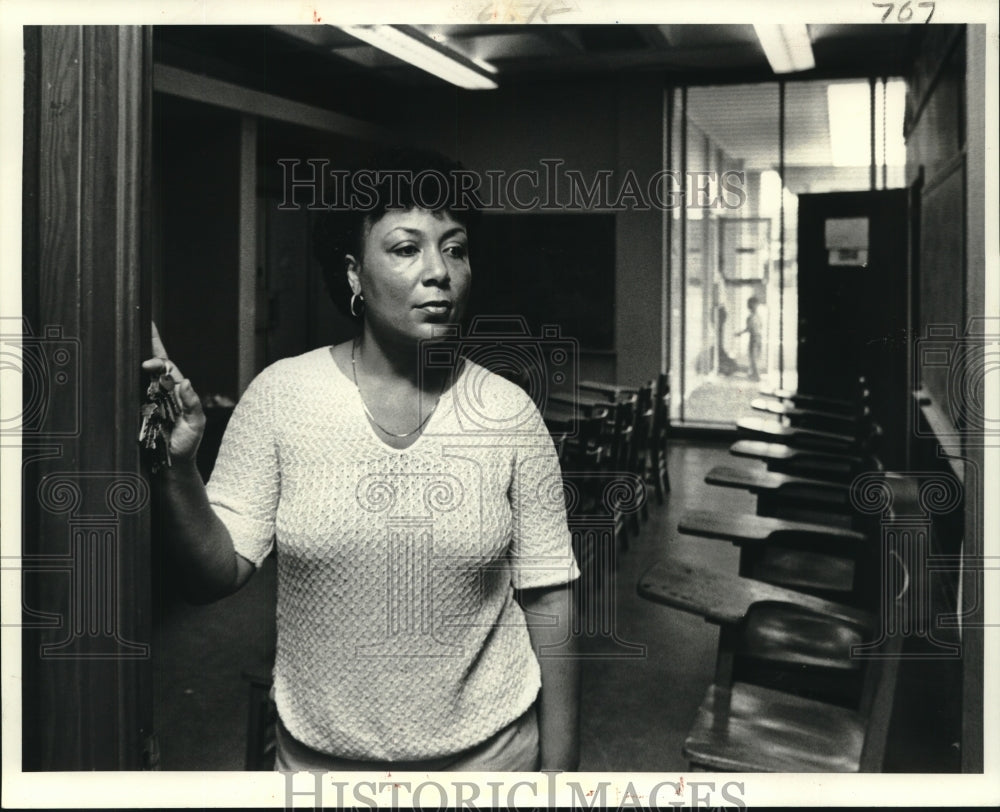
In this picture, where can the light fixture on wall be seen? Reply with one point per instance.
(413, 46)
(787, 47)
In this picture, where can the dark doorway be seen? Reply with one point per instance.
(853, 302)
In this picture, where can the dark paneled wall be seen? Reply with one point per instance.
(935, 151)
(86, 699)
(946, 156)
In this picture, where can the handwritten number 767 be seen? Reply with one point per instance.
(905, 13)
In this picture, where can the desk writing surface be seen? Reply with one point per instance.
(580, 400)
(785, 409)
(756, 425)
(560, 416)
(756, 481)
(780, 452)
(725, 598)
(750, 527)
(608, 388)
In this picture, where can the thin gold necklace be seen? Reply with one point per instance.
(354, 371)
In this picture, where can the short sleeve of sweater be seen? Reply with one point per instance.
(245, 483)
(541, 546)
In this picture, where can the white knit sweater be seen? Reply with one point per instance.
(398, 634)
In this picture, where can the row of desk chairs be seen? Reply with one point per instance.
(612, 450)
(799, 686)
(611, 442)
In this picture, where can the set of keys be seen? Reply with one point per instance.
(159, 414)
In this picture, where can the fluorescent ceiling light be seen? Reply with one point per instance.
(787, 47)
(424, 53)
(850, 123)
(482, 63)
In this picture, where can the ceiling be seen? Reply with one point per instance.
(540, 52)
(325, 66)
(696, 53)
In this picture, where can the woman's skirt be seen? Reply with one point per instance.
(512, 749)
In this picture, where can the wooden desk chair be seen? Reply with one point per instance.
(815, 541)
(658, 441)
(609, 391)
(756, 428)
(819, 480)
(559, 441)
(833, 562)
(620, 441)
(618, 432)
(656, 453)
(805, 462)
(775, 491)
(769, 635)
(750, 728)
(797, 416)
(855, 400)
(597, 517)
(583, 465)
(584, 401)
(640, 450)
(579, 431)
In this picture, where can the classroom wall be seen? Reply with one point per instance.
(604, 124)
(975, 302)
(935, 156)
(946, 132)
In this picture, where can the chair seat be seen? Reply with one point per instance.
(783, 633)
(752, 729)
(803, 570)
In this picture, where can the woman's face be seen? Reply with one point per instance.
(414, 274)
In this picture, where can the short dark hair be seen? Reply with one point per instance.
(395, 179)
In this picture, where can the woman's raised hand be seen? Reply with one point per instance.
(187, 432)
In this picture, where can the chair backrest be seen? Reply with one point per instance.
(622, 429)
(661, 409)
(586, 450)
(559, 440)
(642, 435)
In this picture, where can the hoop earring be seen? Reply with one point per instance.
(354, 299)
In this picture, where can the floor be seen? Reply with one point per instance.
(721, 399)
(718, 398)
(636, 710)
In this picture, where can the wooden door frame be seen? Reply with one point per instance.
(86, 668)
